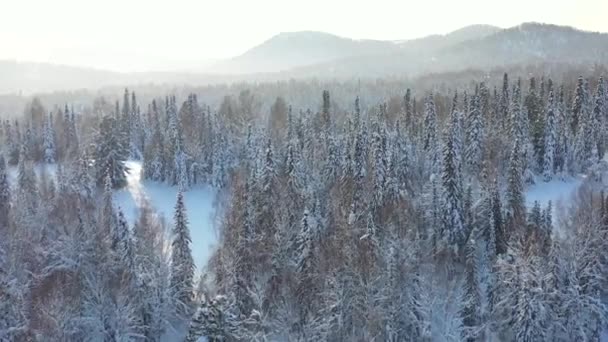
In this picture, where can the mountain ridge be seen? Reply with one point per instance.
(325, 55)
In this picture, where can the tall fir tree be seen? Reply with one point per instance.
(50, 150)
(550, 139)
(515, 193)
(474, 141)
(5, 197)
(452, 233)
(182, 263)
(110, 154)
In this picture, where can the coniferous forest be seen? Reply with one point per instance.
(368, 210)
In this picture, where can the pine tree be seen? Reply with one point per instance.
(550, 139)
(107, 215)
(474, 142)
(380, 164)
(26, 178)
(472, 308)
(504, 102)
(82, 181)
(533, 104)
(49, 141)
(110, 154)
(453, 231)
(182, 264)
(5, 197)
(121, 243)
(212, 321)
(577, 106)
(407, 106)
(563, 136)
(154, 152)
(430, 133)
(72, 135)
(515, 196)
(599, 118)
(12, 321)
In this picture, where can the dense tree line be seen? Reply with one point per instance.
(395, 221)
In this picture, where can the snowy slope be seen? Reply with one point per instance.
(162, 197)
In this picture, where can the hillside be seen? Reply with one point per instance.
(295, 49)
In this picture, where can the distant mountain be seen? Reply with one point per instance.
(533, 42)
(478, 47)
(316, 54)
(43, 77)
(28, 78)
(295, 49)
(439, 41)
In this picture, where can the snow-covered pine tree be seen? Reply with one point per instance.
(121, 244)
(550, 139)
(380, 163)
(430, 139)
(124, 120)
(472, 317)
(577, 106)
(474, 135)
(452, 235)
(72, 135)
(5, 197)
(107, 214)
(110, 154)
(407, 108)
(212, 321)
(456, 125)
(563, 133)
(516, 212)
(82, 180)
(304, 253)
(26, 178)
(50, 151)
(154, 151)
(599, 118)
(12, 319)
(533, 105)
(505, 103)
(182, 264)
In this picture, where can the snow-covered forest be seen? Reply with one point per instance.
(360, 211)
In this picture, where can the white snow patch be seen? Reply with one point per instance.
(555, 191)
(162, 197)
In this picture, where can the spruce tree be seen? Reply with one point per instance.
(550, 139)
(515, 196)
(407, 107)
(182, 264)
(474, 143)
(110, 154)
(599, 118)
(472, 308)
(453, 231)
(577, 106)
(504, 103)
(430, 133)
(5, 197)
(49, 141)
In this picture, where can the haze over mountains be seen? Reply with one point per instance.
(308, 54)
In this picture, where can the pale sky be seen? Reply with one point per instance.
(140, 35)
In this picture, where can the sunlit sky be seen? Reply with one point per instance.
(140, 35)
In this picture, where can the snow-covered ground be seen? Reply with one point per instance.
(557, 191)
(162, 197)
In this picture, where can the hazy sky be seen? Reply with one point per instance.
(136, 35)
